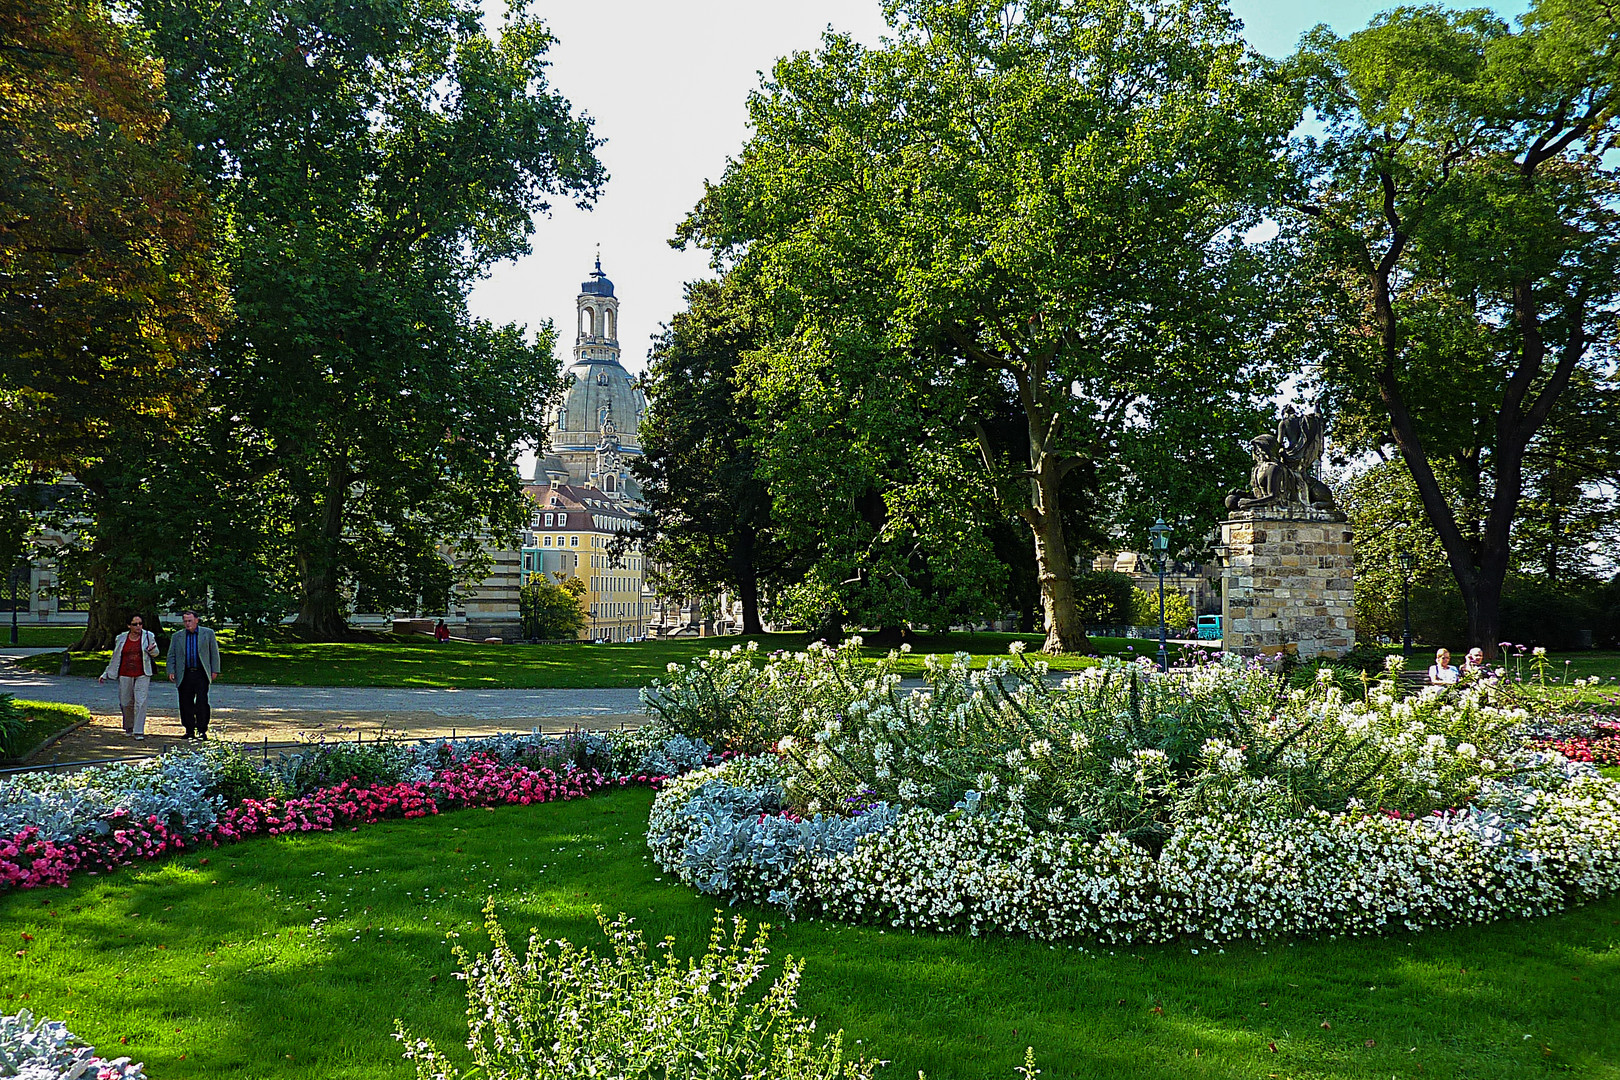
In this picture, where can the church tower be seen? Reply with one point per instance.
(597, 337)
(593, 429)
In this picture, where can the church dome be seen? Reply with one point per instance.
(593, 391)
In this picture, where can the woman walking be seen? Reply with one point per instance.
(131, 665)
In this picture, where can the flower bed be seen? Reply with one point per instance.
(112, 816)
(1127, 806)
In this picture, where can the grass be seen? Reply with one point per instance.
(41, 720)
(41, 637)
(291, 957)
(413, 662)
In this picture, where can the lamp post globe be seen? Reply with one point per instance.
(1160, 533)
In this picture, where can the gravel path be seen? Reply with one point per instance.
(256, 714)
(503, 705)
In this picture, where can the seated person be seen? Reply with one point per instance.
(1441, 672)
(1474, 663)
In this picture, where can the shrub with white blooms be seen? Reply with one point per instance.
(1126, 805)
(563, 1011)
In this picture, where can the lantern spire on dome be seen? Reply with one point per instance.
(599, 284)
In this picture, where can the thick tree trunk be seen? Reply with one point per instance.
(108, 614)
(747, 575)
(320, 607)
(1053, 565)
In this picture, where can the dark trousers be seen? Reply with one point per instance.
(194, 701)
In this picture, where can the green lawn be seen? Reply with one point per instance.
(41, 637)
(41, 720)
(291, 957)
(418, 662)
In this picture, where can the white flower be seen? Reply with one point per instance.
(1467, 750)
(905, 646)
(1539, 650)
(1016, 647)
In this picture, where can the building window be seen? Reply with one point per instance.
(548, 541)
(573, 541)
(548, 519)
(608, 483)
(607, 317)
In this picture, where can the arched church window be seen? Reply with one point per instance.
(602, 377)
(608, 483)
(590, 322)
(608, 320)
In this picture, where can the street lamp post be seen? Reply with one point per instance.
(1406, 558)
(1161, 544)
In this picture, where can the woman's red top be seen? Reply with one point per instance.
(131, 664)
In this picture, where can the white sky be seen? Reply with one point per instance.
(667, 83)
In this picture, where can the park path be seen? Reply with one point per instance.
(256, 714)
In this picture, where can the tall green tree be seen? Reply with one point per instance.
(1459, 214)
(109, 281)
(707, 525)
(1030, 206)
(374, 162)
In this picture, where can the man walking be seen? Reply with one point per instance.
(193, 666)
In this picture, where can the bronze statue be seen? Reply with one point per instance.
(1284, 468)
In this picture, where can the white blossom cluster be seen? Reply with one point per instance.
(1249, 871)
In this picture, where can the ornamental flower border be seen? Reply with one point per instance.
(473, 775)
(1242, 874)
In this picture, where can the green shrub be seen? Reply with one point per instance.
(563, 1011)
(13, 725)
(552, 611)
(1178, 610)
(1103, 597)
(236, 776)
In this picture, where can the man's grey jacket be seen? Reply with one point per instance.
(207, 653)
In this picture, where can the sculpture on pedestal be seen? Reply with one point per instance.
(1284, 474)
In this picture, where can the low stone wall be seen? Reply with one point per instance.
(1290, 584)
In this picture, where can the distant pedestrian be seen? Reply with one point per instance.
(1442, 672)
(441, 633)
(131, 665)
(193, 667)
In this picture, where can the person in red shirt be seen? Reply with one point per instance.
(131, 665)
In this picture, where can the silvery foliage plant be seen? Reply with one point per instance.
(46, 1050)
(562, 1010)
(724, 832)
(173, 788)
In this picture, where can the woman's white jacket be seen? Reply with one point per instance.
(148, 641)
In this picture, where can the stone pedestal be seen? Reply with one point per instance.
(492, 606)
(1289, 584)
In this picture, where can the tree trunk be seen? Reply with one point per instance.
(747, 575)
(1064, 631)
(108, 614)
(1485, 614)
(320, 609)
